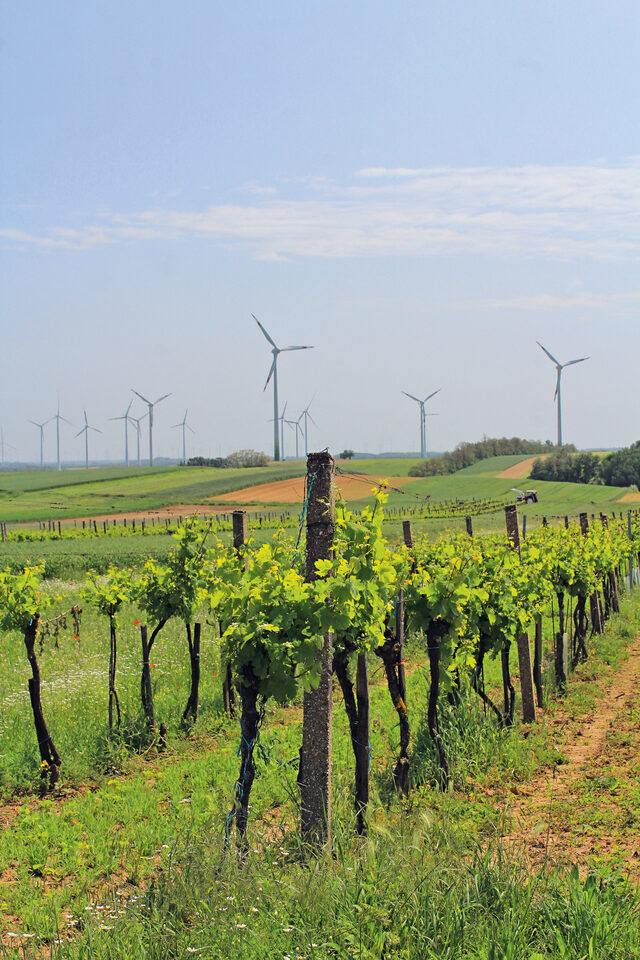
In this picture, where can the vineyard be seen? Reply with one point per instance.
(447, 652)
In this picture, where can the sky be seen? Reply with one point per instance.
(418, 190)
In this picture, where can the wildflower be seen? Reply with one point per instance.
(136, 623)
(215, 674)
(240, 926)
(76, 637)
(152, 664)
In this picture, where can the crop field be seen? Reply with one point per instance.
(133, 826)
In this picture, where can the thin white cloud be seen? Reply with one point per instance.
(570, 212)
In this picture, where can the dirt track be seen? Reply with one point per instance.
(584, 807)
(520, 470)
(292, 491)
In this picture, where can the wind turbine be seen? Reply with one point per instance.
(273, 371)
(307, 416)
(151, 405)
(138, 421)
(423, 419)
(557, 395)
(281, 421)
(298, 429)
(58, 417)
(85, 430)
(41, 427)
(183, 423)
(4, 445)
(126, 419)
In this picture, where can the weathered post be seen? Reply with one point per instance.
(566, 523)
(594, 605)
(524, 650)
(315, 756)
(469, 523)
(407, 534)
(630, 535)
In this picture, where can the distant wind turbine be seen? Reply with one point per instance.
(85, 430)
(423, 419)
(185, 426)
(281, 421)
(125, 416)
(58, 417)
(307, 416)
(298, 430)
(138, 421)
(41, 427)
(273, 371)
(151, 405)
(4, 445)
(558, 395)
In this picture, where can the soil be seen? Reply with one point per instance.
(630, 498)
(520, 470)
(292, 491)
(583, 811)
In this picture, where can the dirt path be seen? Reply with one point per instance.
(520, 470)
(292, 490)
(585, 809)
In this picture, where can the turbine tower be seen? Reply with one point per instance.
(85, 430)
(281, 421)
(150, 406)
(41, 427)
(307, 416)
(185, 426)
(298, 430)
(58, 417)
(558, 395)
(273, 371)
(138, 421)
(125, 416)
(423, 419)
(4, 445)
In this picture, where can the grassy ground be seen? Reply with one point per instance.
(128, 860)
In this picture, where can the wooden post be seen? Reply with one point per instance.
(566, 523)
(362, 744)
(545, 522)
(402, 677)
(524, 526)
(315, 756)
(469, 523)
(526, 679)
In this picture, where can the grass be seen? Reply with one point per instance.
(143, 836)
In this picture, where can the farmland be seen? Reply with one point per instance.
(134, 833)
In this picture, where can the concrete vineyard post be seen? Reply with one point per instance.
(524, 650)
(315, 755)
(537, 663)
(526, 679)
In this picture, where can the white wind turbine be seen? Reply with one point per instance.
(307, 416)
(58, 417)
(138, 421)
(273, 371)
(150, 406)
(298, 430)
(185, 426)
(125, 416)
(4, 445)
(41, 427)
(423, 419)
(558, 395)
(85, 430)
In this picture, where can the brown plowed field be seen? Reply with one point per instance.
(520, 470)
(292, 491)
(630, 498)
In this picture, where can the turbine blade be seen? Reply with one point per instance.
(129, 407)
(411, 396)
(282, 349)
(140, 395)
(189, 428)
(163, 397)
(272, 342)
(313, 421)
(271, 369)
(80, 431)
(571, 362)
(120, 418)
(550, 355)
(95, 429)
(432, 394)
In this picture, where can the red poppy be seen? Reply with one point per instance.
(136, 623)
(215, 674)
(76, 637)
(152, 664)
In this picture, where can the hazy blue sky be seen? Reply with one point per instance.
(421, 190)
